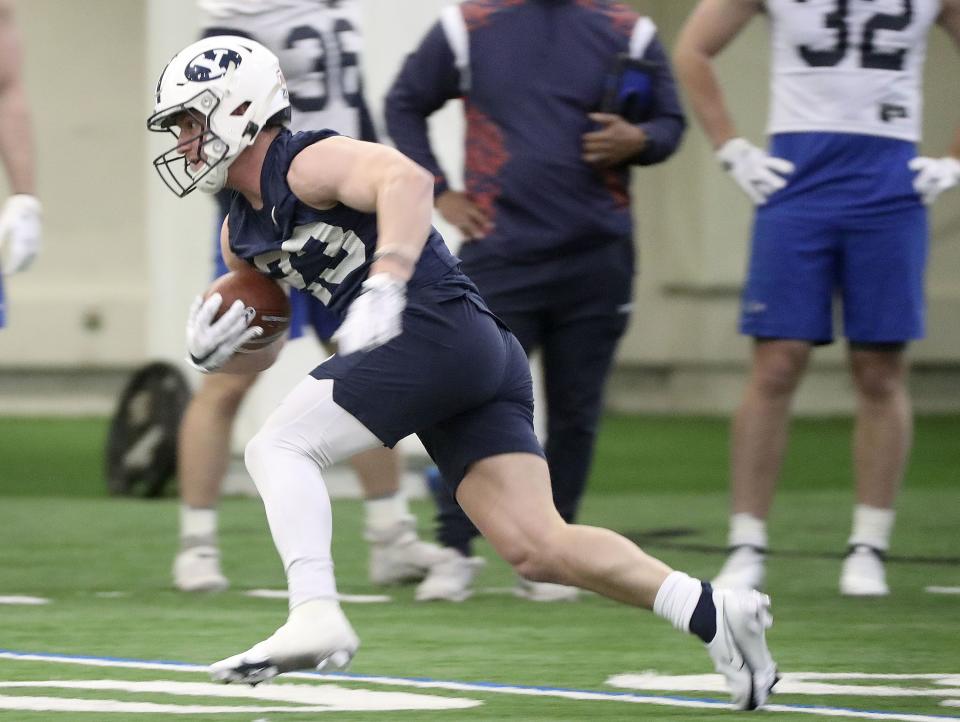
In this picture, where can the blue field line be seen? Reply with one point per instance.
(494, 687)
(103, 661)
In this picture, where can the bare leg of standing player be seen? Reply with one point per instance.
(758, 443)
(397, 554)
(882, 437)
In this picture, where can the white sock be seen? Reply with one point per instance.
(677, 598)
(312, 609)
(197, 522)
(298, 509)
(386, 511)
(747, 530)
(872, 526)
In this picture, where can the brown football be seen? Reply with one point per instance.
(264, 298)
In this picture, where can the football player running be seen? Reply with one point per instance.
(419, 352)
(840, 197)
(320, 49)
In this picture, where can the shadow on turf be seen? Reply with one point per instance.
(665, 539)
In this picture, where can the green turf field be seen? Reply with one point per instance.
(103, 564)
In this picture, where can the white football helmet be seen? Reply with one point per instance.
(232, 87)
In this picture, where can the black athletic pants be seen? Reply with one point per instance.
(574, 310)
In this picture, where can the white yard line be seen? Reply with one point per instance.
(491, 688)
(350, 598)
(20, 599)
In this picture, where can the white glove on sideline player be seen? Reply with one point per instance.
(20, 232)
(210, 344)
(375, 316)
(757, 172)
(934, 176)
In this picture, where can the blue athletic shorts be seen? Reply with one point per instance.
(305, 310)
(456, 377)
(848, 225)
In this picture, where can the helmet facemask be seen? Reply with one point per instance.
(231, 87)
(209, 171)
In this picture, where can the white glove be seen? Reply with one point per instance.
(20, 232)
(375, 316)
(757, 172)
(210, 344)
(934, 176)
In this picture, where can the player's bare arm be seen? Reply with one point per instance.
(16, 147)
(934, 175)
(20, 215)
(9, 46)
(949, 20)
(708, 30)
(251, 362)
(370, 178)
(711, 26)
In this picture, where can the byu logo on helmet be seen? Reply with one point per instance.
(211, 64)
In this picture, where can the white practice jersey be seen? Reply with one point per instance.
(226, 8)
(849, 66)
(319, 45)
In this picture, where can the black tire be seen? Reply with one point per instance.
(141, 453)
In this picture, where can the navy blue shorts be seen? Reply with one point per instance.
(456, 377)
(847, 225)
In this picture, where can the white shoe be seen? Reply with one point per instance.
(398, 555)
(739, 650)
(451, 579)
(197, 569)
(863, 574)
(545, 591)
(316, 636)
(745, 568)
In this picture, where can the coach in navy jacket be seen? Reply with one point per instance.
(546, 214)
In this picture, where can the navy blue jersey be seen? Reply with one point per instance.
(327, 253)
(537, 68)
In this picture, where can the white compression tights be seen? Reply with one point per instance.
(304, 435)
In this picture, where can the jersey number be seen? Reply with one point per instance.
(315, 258)
(348, 79)
(870, 56)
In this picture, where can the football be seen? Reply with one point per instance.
(267, 304)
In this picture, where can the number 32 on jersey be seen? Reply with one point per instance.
(871, 55)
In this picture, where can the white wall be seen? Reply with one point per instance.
(123, 257)
(85, 83)
(178, 232)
